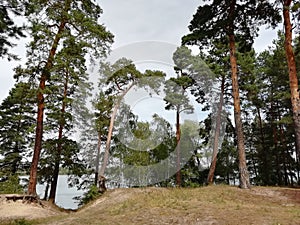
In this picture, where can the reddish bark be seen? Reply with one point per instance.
(290, 56)
(40, 112)
(244, 175)
(38, 139)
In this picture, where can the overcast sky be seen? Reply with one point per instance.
(136, 21)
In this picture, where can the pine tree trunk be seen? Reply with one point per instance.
(59, 145)
(266, 171)
(284, 153)
(275, 140)
(97, 159)
(38, 138)
(178, 172)
(244, 175)
(46, 191)
(210, 177)
(40, 112)
(110, 130)
(295, 99)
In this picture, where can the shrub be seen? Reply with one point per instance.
(90, 195)
(11, 186)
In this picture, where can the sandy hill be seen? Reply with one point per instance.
(207, 206)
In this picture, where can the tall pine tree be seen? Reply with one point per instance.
(50, 23)
(235, 19)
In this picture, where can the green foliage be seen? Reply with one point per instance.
(148, 147)
(10, 185)
(123, 74)
(63, 35)
(176, 97)
(176, 88)
(21, 222)
(90, 195)
(8, 28)
(215, 19)
(17, 125)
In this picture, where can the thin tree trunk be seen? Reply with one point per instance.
(59, 145)
(212, 168)
(97, 159)
(266, 177)
(15, 163)
(110, 130)
(253, 160)
(40, 111)
(178, 173)
(295, 99)
(46, 191)
(275, 139)
(298, 167)
(284, 157)
(285, 153)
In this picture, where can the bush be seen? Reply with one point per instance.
(17, 222)
(90, 195)
(21, 222)
(11, 186)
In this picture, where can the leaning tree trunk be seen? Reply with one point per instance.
(110, 130)
(40, 111)
(292, 72)
(210, 177)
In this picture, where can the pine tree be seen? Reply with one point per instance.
(51, 23)
(103, 106)
(66, 84)
(16, 132)
(275, 162)
(217, 60)
(119, 79)
(238, 19)
(292, 70)
(177, 99)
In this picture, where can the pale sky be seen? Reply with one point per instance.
(135, 21)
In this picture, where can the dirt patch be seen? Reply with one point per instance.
(282, 195)
(291, 193)
(10, 209)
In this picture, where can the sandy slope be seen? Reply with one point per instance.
(199, 206)
(19, 209)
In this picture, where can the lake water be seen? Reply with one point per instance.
(64, 193)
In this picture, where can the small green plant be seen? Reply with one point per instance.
(21, 222)
(11, 186)
(90, 195)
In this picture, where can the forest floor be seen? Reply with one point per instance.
(195, 206)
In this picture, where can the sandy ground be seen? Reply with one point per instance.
(19, 209)
(210, 205)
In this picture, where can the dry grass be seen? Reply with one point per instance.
(207, 205)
